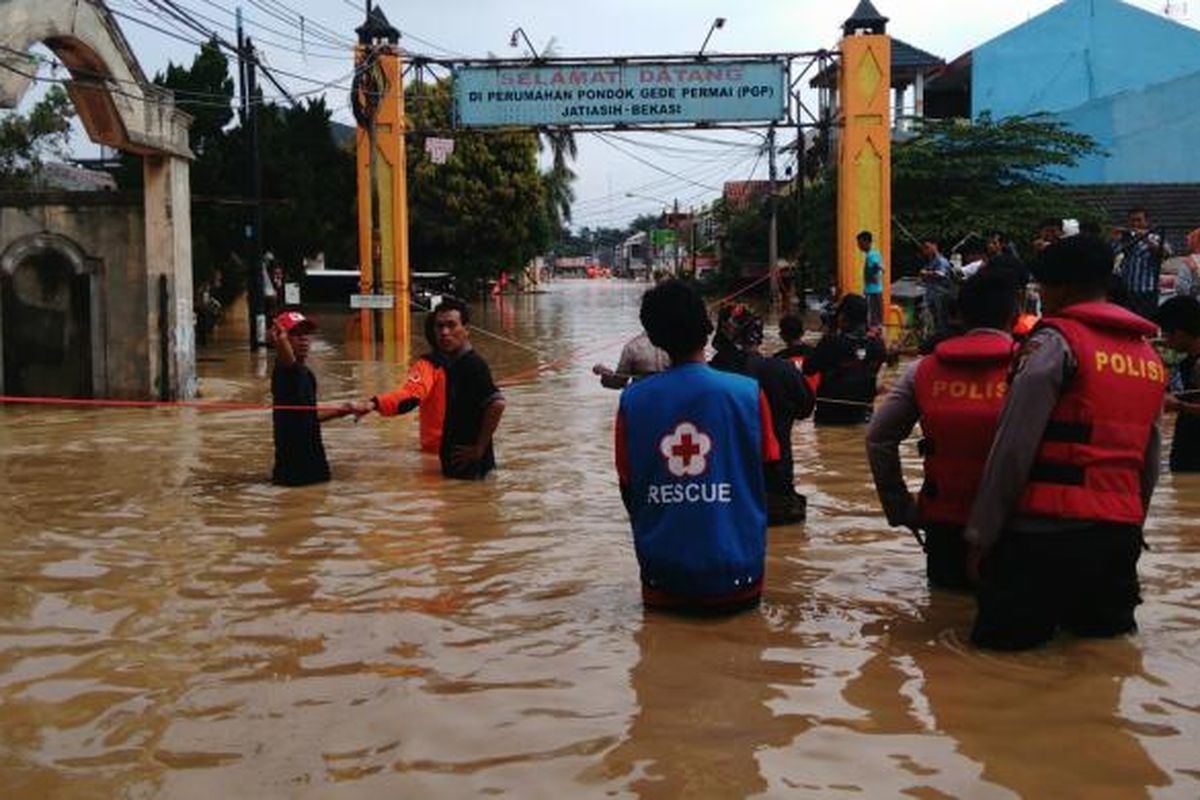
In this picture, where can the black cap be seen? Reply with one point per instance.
(1076, 259)
(1179, 314)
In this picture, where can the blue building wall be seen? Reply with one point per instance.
(1111, 70)
(1152, 135)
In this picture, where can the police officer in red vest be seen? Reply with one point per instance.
(1056, 527)
(956, 393)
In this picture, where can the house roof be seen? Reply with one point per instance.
(907, 61)
(1175, 207)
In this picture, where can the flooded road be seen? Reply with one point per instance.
(171, 625)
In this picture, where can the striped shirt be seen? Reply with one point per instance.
(1141, 262)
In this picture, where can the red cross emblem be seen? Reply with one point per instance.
(686, 450)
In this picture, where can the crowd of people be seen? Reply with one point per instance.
(1040, 437)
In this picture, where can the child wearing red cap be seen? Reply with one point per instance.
(299, 451)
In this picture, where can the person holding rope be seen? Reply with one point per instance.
(299, 451)
(424, 388)
(956, 393)
(472, 403)
(738, 344)
(848, 361)
(639, 358)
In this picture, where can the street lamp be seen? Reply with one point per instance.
(717, 23)
(515, 41)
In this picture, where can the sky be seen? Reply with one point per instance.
(659, 169)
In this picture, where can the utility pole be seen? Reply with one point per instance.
(692, 237)
(801, 273)
(773, 234)
(675, 228)
(248, 117)
(256, 266)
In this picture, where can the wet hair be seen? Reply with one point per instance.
(988, 299)
(1083, 261)
(791, 327)
(675, 318)
(865, 235)
(853, 309)
(454, 304)
(1180, 314)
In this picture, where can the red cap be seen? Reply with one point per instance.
(295, 322)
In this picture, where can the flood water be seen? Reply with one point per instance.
(172, 625)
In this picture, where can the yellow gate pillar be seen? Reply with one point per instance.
(865, 154)
(378, 99)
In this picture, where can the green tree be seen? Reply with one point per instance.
(27, 139)
(311, 184)
(956, 177)
(482, 211)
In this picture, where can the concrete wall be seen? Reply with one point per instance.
(1150, 135)
(113, 237)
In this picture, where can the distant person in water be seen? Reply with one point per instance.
(690, 444)
(299, 451)
(788, 395)
(639, 358)
(1179, 319)
(848, 361)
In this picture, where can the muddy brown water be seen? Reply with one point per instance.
(171, 625)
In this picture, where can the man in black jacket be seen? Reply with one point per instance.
(737, 341)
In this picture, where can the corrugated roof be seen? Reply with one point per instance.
(907, 61)
(1175, 207)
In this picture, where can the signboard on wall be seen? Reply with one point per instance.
(615, 93)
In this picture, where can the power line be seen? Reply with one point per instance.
(344, 52)
(201, 99)
(330, 39)
(665, 185)
(604, 138)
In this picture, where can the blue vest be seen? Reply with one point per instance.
(694, 442)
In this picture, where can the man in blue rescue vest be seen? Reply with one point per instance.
(690, 445)
(956, 393)
(1056, 527)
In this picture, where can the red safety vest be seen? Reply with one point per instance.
(960, 391)
(1090, 462)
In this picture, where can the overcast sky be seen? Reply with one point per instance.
(607, 171)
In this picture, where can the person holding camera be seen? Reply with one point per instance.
(1139, 253)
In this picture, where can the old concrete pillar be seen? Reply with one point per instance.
(169, 254)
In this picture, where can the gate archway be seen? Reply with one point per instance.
(119, 108)
(49, 305)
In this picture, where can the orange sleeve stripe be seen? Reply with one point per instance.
(417, 387)
(770, 444)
